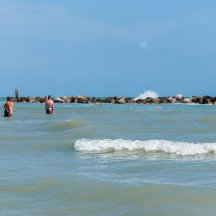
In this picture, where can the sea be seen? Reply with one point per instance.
(109, 160)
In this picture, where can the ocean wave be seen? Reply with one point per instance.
(63, 125)
(171, 147)
(147, 94)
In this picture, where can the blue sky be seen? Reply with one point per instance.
(106, 48)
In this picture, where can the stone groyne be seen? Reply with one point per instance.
(121, 100)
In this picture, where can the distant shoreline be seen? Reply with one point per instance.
(121, 100)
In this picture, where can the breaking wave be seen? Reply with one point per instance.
(147, 94)
(171, 147)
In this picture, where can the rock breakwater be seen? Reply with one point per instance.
(121, 100)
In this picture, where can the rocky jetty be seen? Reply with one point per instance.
(121, 100)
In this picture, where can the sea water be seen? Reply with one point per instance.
(108, 160)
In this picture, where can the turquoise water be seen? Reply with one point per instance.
(109, 160)
(2, 99)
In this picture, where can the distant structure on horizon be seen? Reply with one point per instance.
(16, 93)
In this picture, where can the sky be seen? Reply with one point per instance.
(107, 48)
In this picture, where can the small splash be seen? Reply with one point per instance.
(147, 94)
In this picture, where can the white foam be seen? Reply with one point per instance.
(179, 96)
(147, 94)
(178, 148)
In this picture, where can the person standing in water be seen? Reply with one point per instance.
(49, 105)
(8, 108)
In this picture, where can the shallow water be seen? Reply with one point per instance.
(109, 160)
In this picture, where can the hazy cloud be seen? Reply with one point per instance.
(144, 44)
(46, 22)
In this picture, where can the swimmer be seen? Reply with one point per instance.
(49, 105)
(8, 108)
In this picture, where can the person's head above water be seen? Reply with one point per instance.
(49, 96)
(8, 98)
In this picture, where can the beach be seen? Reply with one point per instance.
(107, 108)
(115, 159)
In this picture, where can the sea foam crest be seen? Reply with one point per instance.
(178, 148)
(147, 94)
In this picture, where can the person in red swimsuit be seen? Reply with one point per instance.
(49, 105)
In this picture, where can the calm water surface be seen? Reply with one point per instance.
(109, 160)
